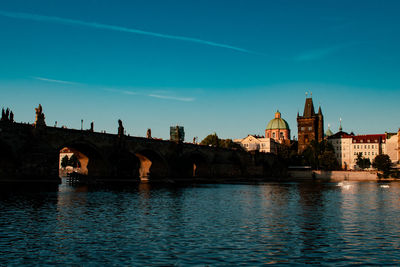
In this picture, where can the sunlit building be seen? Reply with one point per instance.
(278, 129)
(348, 146)
(258, 143)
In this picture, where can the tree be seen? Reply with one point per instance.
(362, 162)
(73, 161)
(320, 155)
(64, 162)
(382, 163)
(327, 161)
(228, 143)
(211, 139)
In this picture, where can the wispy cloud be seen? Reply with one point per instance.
(185, 99)
(125, 92)
(53, 80)
(166, 95)
(36, 17)
(320, 53)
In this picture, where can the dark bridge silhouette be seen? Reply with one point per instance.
(29, 152)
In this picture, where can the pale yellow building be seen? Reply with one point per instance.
(257, 143)
(348, 146)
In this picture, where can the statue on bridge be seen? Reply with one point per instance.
(120, 129)
(3, 115)
(148, 134)
(7, 115)
(39, 120)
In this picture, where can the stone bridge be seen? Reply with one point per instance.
(29, 152)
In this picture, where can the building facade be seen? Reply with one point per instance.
(348, 146)
(392, 147)
(278, 129)
(258, 143)
(310, 126)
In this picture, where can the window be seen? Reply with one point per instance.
(372, 153)
(368, 146)
(358, 146)
(365, 146)
(267, 135)
(281, 135)
(354, 146)
(302, 128)
(310, 128)
(273, 135)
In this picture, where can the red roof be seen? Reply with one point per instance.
(368, 138)
(341, 135)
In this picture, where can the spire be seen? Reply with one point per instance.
(340, 127)
(309, 108)
(319, 110)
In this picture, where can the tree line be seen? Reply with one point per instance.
(70, 161)
(318, 155)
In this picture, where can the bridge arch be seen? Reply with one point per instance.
(194, 164)
(152, 166)
(8, 160)
(237, 168)
(91, 159)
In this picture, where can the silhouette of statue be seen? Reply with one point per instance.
(39, 120)
(3, 115)
(11, 116)
(7, 113)
(92, 126)
(148, 134)
(120, 128)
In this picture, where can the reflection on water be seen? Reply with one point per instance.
(288, 223)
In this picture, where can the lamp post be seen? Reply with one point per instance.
(82, 124)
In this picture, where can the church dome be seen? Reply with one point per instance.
(278, 123)
(328, 132)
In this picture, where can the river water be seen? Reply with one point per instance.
(216, 225)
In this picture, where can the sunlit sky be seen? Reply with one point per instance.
(211, 66)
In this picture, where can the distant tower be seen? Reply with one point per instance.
(310, 125)
(177, 134)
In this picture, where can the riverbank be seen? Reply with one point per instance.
(336, 176)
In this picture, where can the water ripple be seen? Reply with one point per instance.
(223, 225)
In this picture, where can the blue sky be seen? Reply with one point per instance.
(211, 66)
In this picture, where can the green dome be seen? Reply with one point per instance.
(278, 123)
(329, 132)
